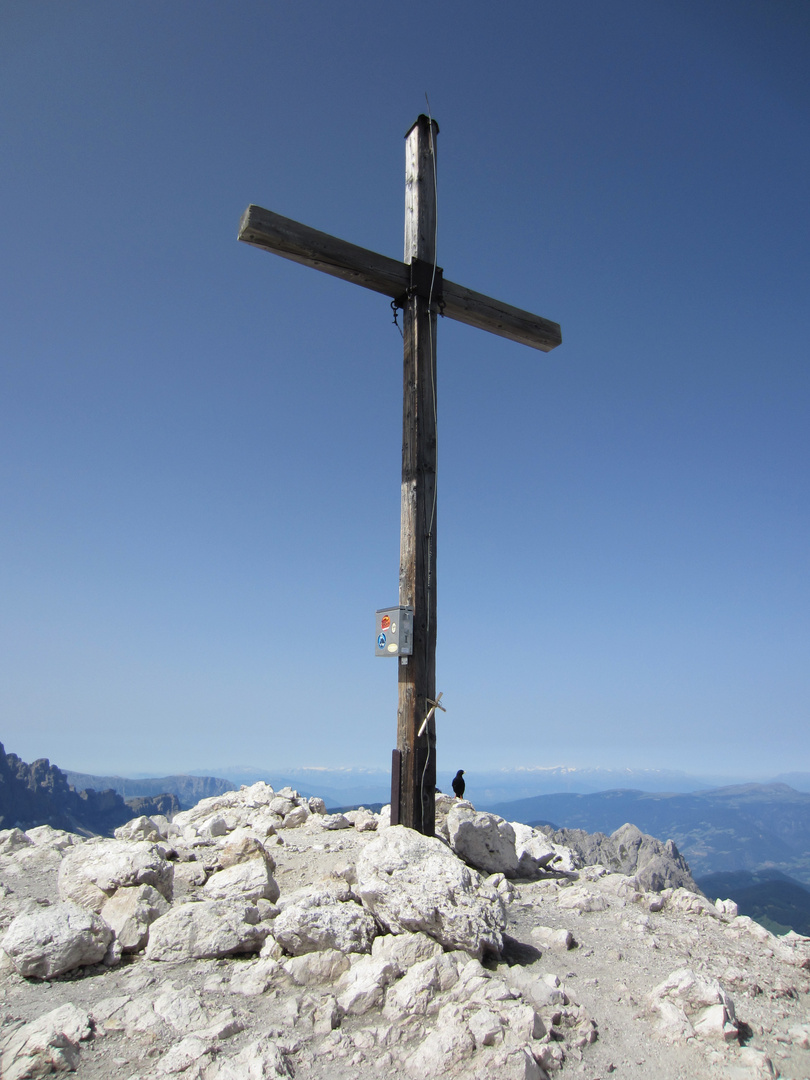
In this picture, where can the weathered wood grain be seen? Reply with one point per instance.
(417, 558)
(473, 308)
(282, 236)
(292, 240)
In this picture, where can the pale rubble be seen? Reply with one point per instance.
(45, 1045)
(483, 841)
(689, 1004)
(352, 949)
(91, 872)
(130, 912)
(206, 929)
(308, 927)
(42, 944)
(315, 968)
(249, 880)
(411, 882)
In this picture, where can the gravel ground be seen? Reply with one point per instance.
(621, 953)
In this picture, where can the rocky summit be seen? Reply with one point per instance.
(256, 937)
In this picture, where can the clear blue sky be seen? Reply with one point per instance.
(200, 442)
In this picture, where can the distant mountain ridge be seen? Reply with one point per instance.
(775, 900)
(344, 786)
(40, 794)
(362, 785)
(741, 827)
(188, 789)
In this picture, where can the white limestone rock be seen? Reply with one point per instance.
(12, 840)
(331, 822)
(515, 1064)
(486, 1027)
(130, 911)
(307, 927)
(362, 819)
(445, 1047)
(255, 977)
(90, 873)
(745, 925)
(362, 987)
(259, 1060)
(297, 816)
(751, 1064)
(688, 1003)
(412, 883)
(543, 991)
(249, 880)
(140, 828)
(48, 1044)
(189, 1051)
(525, 1023)
(242, 846)
(180, 1007)
(533, 849)
(188, 878)
(50, 941)
(581, 899)
(443, 805)
(799, 1035)
(314, 968)
(55, 839)
(250, 808)
(554, 938)
(550, 1057)
(688, 902)
(206, 930)
(727, 907)
(406, 949)
(484, 841)
(413, 993)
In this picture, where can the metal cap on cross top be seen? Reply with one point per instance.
(418, 286)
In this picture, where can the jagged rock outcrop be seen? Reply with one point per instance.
(628, 851)
(39, 794)
(48, 1044)
(165, 804)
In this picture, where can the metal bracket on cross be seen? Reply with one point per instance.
(427, 281)
(434, 706)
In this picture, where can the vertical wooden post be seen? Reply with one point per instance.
(417, 569)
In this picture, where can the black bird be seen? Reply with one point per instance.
(458, 784)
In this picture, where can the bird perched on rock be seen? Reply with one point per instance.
(458, 784)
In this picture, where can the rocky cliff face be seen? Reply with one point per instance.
(257, 936)
(188, 789)
(39, 794)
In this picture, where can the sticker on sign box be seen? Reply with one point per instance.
(386, 622)
(381, 641)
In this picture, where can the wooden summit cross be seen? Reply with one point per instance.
(416, 285)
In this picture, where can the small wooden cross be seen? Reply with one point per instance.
(418, 286)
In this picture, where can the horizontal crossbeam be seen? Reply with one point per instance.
(292, 240)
